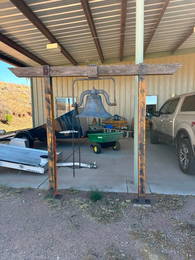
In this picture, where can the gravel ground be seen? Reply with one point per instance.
(35, 226)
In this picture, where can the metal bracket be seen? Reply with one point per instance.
(141, 69)
(93, 72)
(46, 70)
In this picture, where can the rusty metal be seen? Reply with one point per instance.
(141, 136)
(51, 138)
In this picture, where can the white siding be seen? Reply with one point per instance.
(162, 86)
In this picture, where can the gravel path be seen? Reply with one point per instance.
(35, 226)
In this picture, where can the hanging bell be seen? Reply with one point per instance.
(93, 106)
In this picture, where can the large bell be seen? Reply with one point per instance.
(94, 107)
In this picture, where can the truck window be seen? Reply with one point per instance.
(188, 104)
(169, 107)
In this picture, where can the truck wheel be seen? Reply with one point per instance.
(153, 137)
(185, 156)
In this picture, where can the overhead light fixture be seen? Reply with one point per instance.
(53, 47)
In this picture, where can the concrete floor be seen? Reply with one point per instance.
(114, 172)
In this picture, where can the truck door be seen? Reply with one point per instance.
(167, 117)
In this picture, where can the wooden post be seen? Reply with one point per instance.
(139, 56)
(51, 139)
(141, 137)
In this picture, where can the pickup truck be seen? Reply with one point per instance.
(174, 124)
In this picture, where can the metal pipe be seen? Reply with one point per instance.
(98, 78)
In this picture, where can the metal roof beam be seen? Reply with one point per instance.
(23, 7)
(122, 28)
(11, 61)
(88, 14)
(20, 49)
(184, 38)
(166, 3)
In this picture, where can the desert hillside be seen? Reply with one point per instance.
(15, 107)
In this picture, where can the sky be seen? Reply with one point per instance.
(7, 76)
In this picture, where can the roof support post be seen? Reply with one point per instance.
(139, 104)
(50, 125)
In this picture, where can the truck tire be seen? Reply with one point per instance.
(26, 135)
(185, 156)
(154, 139)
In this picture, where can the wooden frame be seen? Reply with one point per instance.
(95, 71)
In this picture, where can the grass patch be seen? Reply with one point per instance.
(95, 195)
(106, 210)
(171, 203)
(9, 191)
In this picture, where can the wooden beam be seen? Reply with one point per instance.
(166, 3)
(11, 61)
(23, 7)
(51, 138)
(184, 38)
(88, 14)
(122, 28)
(98, 71)
(20, 49)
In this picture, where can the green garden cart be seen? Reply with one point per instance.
(103, 140)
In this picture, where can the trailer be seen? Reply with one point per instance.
(65, 122)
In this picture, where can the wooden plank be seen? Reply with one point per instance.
(51, 138)
(102, 70)
(23, 7)
(20, 49)
(28, 72)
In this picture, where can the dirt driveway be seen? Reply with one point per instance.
(34, 226)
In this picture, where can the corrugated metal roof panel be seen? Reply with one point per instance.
(67, 22)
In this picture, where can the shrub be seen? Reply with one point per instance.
(8, 118)
(95, 195)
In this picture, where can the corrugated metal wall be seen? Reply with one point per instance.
(162, 86)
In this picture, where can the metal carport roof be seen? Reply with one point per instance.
(84, 29)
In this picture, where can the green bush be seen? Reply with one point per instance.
(8, 118)
(95, 195)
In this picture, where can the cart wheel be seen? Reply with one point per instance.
(116, 147)
(97, 148)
